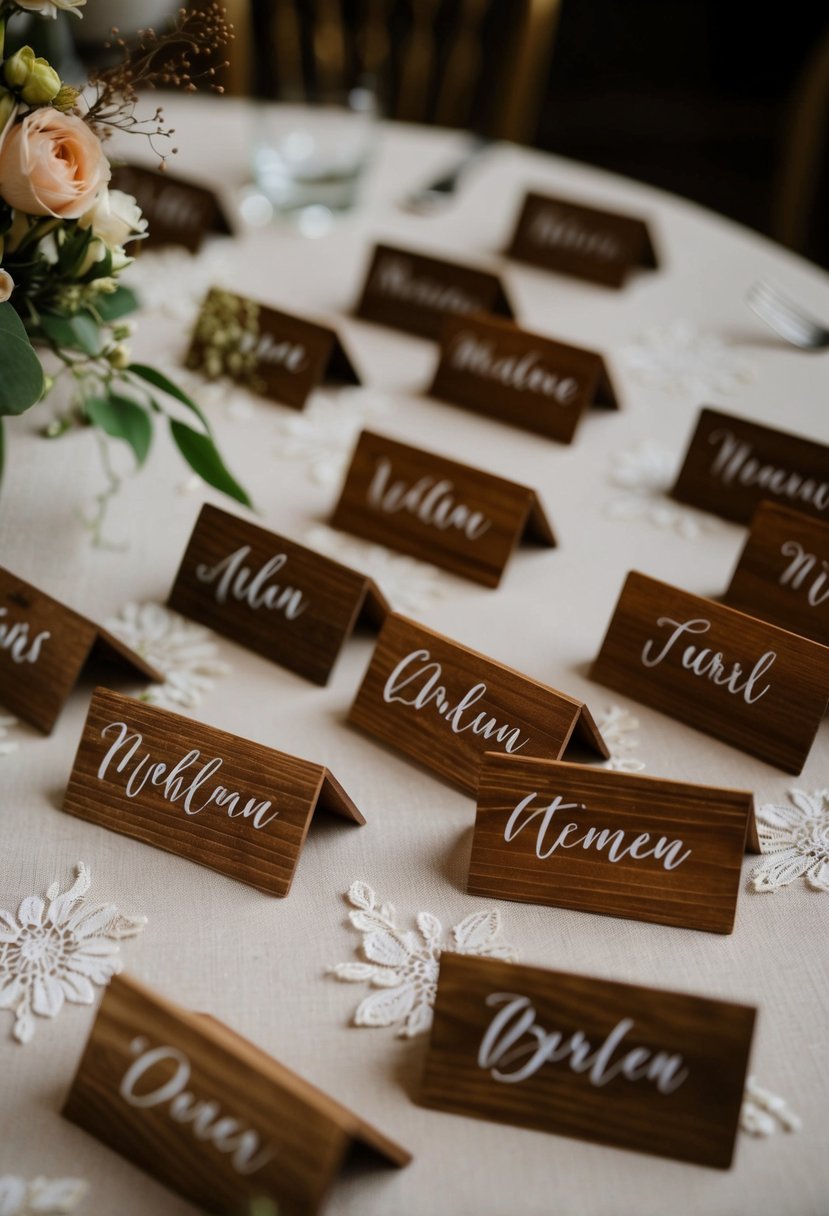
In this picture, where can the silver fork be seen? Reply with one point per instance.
(786, 317)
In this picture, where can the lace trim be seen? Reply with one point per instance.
(763, 1113)
(795, 839)
(408, 585)
(617, 725)
(683, 361)
(41, 1196)
(644, 475)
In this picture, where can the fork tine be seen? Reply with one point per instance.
(786, 317)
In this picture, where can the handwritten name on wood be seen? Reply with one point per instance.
(274, 353)
(287, 603)
(731, 465)
(223, 802)
(178, 212)
(492, 367)
(601, 246)
(445, 706)
(44, 646)
(206, 1112)
(640, 1068)
(620, 844)
(410, 291)
(749, 683)
(783, 572)
(443, 512)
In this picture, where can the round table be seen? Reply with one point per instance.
(673, 339)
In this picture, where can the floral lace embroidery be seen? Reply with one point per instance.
(644, 475)
(408, 585)
(184, 652)
(681, 360)
(616, 725)
(404, 964)
(7, 746)
(323, 435)
(41, 1196)
(796, 841)
(55, 952)
(763, 1113)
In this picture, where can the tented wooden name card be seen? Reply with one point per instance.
(731, 465)
(44, 646)
(445, 706)
(443, 512)
(783, 572)
(601, 246)
(288, 603)
(178, 212)
(749, 683)
(492, 367)
(639, 1068)
(620, 844)
(201, 793)
(273, 353)
(410, 291)
(209, 1114)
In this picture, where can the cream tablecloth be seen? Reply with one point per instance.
(213, 944)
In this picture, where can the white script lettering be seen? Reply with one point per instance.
(430, 501)
(800, 568)
(734, 463)
(553, 227)
(252, 589)
(394, 277)
(14, 637)
(710, 666)
(475, 355)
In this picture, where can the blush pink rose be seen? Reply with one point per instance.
(52, 164)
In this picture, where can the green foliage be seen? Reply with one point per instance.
(21, 383)
(80, 332)
(124, 419)
(202, 455)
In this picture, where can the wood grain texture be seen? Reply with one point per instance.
(415, 293)
(492, 367)
(782, 574)
(697, 1122)
(600, 246)
(731, 465)
(308, 604)
(779, 725)
(294, 1136)
(178, 212)
(442, 674)
(279, 355)
(532, 858)
(43, 648)
(425, 505)
(160, 786)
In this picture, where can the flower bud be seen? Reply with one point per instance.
(119, 357)
(35, 78)
(6, 285)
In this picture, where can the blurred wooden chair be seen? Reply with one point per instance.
(480, 64)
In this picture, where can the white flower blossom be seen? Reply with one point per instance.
(408, 585)
(682, 361)
(41, 1196)
(185, 653)
(795, 840)
(644, 475)
(50, 8)
(617, 725)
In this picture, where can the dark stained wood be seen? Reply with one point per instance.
(496, 707)
(44, 646)
(288, 603)
(164, 787)
(274, 353)
(443, 512)
(178, 212)
(601, 246)
(615, 843)
(782, 686)
(492, 367)
(694, 1117)
(731, 465)
(283, 1138)
(783, 572)
(413, 292)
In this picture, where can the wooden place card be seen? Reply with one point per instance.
(284, 601)
(44, 646)
(783, 572)
(410, 291)
(601, 246)
(178, 212)
(640, 1068)
(492, 367)
(449, 514)
(275, 354)
(209, 1114)
(746, 682)
(446, 706)
(223, 802)
(731, 465)
(616, 843)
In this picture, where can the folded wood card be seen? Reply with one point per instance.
(178, 212)
(201, 793)
(207, 1113)
(288, 603)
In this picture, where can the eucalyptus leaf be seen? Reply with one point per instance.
(21, 383)
(202, 455)
(79, 332)
(167, 386)
(118, 303)
(122, 419)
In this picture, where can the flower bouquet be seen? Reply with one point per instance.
(64, 236)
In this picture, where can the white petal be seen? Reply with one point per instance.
(386, 977)
(418, 1021)
(817, 875)
(24, 1027)
(8, 922)
(362, 896)
(369, 922)
(477, 929)
(10, 993)
(77, 988)
(355, 972)
(384, 948)
(47, 998)
(55, 1196)
(809, 804)
(89, 922)
(385, 1007)
(778, 870)
(429, 926)
(781, 816)
(31, 911)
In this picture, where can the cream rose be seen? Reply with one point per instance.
(6, 285)
(49, 8)
(116, 218)
(52, 164)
